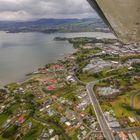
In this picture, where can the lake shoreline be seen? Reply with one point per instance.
(37, 54)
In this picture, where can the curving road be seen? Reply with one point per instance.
(133, 105)
(107, 132)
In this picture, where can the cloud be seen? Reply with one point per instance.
(35, 9)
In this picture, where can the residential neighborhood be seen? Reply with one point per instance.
(62, 100)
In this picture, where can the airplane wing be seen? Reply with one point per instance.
(122, 16)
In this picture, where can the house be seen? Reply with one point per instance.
(123, 136)
(56, 137)
(68, 123)
(112, 121)
(51, 131)
(135, 136)
(106, 91)
(130, 136)
(51, 87)
(132, 120)
(63, 119)
(71, 79)
(88, 46)
(21, 119)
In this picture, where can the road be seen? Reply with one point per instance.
(107, 132)
(133, 99)
(129, 130)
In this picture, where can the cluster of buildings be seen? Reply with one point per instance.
(54, 77)
(107, 91)
(114, 49)
(71, 110)
(97, 65)
(111, 119)
(71, 115)
(100, 62)
(128, 136)
(16, 119)
(48, 133)
(4, 96)
(114, 124)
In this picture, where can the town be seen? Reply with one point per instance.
(84, 96)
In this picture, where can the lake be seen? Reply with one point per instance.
(21, 53)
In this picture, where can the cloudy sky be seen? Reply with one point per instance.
(35, 9)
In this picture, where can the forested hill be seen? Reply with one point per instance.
(54, 25)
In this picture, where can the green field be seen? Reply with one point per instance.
(34, 132)
(122, 105)
(3, 118)
(137, 101)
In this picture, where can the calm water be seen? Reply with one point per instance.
(22, 53)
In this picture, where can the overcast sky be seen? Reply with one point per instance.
(35, 9)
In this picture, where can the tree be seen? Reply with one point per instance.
(10, 132)
(90, 111)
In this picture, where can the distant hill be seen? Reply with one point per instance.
(54, 25)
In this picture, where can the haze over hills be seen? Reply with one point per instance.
(54, 25)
